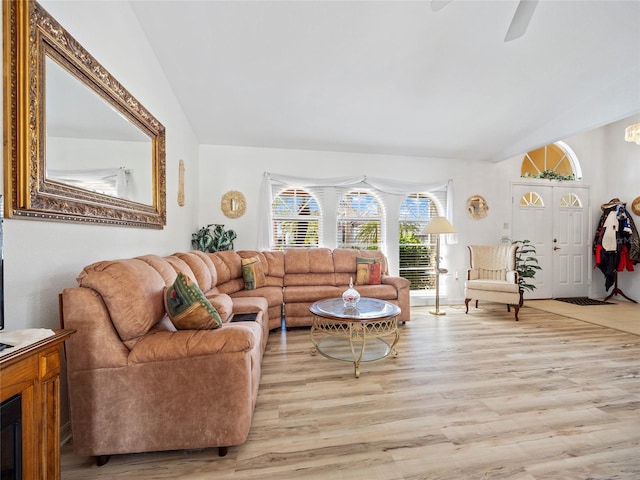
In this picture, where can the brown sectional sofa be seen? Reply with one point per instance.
(136, 384)
(315, 274)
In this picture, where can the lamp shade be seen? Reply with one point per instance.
(438, 225)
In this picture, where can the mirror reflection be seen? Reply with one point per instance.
(91, 145)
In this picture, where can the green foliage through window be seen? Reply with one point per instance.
(296, 219)
(416, 251)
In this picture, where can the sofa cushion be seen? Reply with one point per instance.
(308, 260)
(368, 271)
(202, 268)
(132, 291)
(253, 273)
(301, 293)
(164, 268)
(180, 266)
(187, 306)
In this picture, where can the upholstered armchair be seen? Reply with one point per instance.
(492, 276)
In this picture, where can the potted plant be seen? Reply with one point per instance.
(214, 239)
(526, 266)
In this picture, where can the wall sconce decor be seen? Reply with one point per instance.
(632, 133)
(233, 204)
(181, 183)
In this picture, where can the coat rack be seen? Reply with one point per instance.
(617, 291)
(609, 223)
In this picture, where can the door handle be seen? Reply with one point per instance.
(556, 248)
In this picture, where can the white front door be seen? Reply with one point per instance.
(555, 219)
(571, 242)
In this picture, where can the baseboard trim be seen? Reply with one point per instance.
(65, 433)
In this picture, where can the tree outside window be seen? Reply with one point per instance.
(417, 252)
(296, 219)
(360, 216)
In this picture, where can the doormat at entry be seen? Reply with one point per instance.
(583, 301)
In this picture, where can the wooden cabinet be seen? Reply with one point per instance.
(33, 372)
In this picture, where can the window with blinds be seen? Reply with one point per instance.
(296, 219)
(417, 252)
(360, 216)
(299, 215)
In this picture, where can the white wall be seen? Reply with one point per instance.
(42, 258)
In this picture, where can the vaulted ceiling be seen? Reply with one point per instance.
(397, 77)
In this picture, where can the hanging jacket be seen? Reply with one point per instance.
(616, 244)
(610, 226)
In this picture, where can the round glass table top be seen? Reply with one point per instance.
(365, 309)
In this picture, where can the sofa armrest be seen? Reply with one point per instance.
(161, 346)
(251, 305)
(398, 282)
(512, 276)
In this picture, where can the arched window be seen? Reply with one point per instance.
(570, 200)
(555, 160)
(360, 221)
(417, 261)
(531, 199)
(296, 219)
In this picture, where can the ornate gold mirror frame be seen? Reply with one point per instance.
(30, 37)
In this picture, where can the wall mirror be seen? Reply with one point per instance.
(78, 146)
(477, 207)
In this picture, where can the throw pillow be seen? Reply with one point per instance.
(252, 273)
(187, 306)
(368, 271)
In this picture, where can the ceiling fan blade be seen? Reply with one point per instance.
(438, 4)
(521, 19)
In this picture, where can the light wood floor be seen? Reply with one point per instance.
(475, 396)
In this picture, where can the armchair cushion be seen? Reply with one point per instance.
(492, 286)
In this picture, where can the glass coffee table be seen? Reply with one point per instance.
(365, 333)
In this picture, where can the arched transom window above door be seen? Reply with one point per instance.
(553, 161)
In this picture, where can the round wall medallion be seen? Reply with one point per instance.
(477, 207)
(233, 204)
(635, 206)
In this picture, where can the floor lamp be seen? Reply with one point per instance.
(438, 226)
